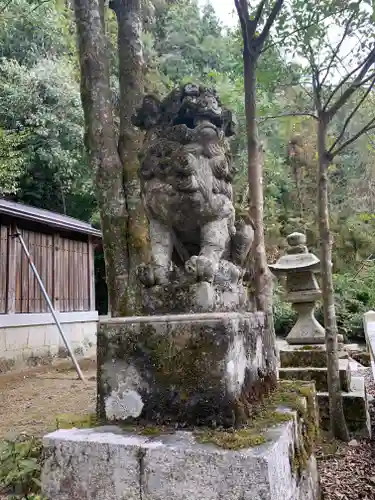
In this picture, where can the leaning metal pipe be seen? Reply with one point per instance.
(49, 303)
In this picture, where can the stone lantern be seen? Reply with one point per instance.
(300, 266)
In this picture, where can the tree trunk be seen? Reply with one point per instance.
(263, 279)
(338, 423)
(101, 144)
(131, 74)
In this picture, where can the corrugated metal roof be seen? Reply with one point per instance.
(51, 219)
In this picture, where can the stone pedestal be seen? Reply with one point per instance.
(109, 464)
(188, 369)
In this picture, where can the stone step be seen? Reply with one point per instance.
(359, 430)
(318, 375)
(303, 358)
(355, 410)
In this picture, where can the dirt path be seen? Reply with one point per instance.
(30, 401)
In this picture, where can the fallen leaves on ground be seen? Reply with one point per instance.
(348, 471)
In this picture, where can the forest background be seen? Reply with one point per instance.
(42, 141)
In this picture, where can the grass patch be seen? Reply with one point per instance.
(76, 421)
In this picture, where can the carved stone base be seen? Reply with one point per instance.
(188, 369)
(183, 294)
(195, 298)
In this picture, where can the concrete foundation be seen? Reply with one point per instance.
(110, 464)
(32, 339)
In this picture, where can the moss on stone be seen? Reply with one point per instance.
(147, 430)
(317, 375)
(232, 439)
(300, 358)
(362, 357)
(304, 396)
(296, 396)
(90, 420)
(77, 421)
(151, 431)
(355, 406)
(311, 348)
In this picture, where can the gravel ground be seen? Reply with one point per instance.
(30, 401)
(349, 473)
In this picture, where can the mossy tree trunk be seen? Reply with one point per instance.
(131, 74)
(253, 46)
(327, 108)
(114, 165)
(337, 418)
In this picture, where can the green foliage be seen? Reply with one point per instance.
(42, 155)
(42, 119)
(20, 466)
(12, 146)
(29, 32)
(355, 295)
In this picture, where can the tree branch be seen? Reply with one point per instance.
(347, 121)
(339, 45)
(243, 15)
(302, 28)
(357, 82)
(292, 113)
(258, 13)
(271, 19)
(370, 126)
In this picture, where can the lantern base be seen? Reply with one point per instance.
(307, 329)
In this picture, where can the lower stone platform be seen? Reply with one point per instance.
(110, 464)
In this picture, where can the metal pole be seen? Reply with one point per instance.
(49, 303)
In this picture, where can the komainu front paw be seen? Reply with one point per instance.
(201, 267)
(151, 275)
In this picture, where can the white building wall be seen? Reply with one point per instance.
(30, 339)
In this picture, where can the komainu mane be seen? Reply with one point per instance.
(186, 177)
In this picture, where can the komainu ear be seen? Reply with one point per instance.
(148, 114)
(229, 123)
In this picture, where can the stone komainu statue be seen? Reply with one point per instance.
(186, 183)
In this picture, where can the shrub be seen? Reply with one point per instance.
(20, 467)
